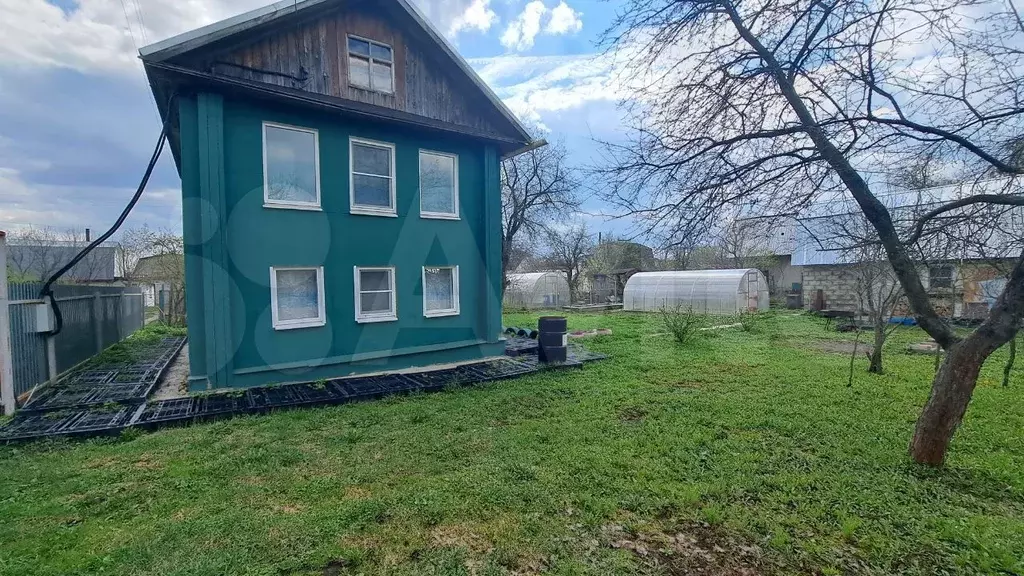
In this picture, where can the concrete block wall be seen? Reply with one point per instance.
(835, 281)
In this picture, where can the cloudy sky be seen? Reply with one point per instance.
(77, 120)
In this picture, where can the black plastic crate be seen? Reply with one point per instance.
(90, 377)
(227, 403)
(274, 397)
(368, 386)
(316, 393)
(97, 420)
(167, 411)
(37, 425)
(61, 398)
(131, 393)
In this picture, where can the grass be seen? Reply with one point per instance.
(745, 447)
(128, 350)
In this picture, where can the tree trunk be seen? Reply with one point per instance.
(875, 366)
(951, 392)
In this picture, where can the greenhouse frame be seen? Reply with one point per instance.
(704, 291)
(537, 290)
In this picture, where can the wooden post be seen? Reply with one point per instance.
(97, 319)
(7, 399)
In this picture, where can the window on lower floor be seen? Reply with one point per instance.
(297, 297)
(375, 294)
(940, 276)
(440, 291)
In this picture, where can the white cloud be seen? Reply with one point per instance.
(97, 36)
(477, 16)
(26, 204)
(520, 32)
(564, 20)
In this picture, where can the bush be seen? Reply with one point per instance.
(683, 323)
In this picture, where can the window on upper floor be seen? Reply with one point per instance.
(375, 294)
(440, 291)
(297, 297)
(439, 185)
(940, 276)
(372, 182)
(371, 65)
(291, 167)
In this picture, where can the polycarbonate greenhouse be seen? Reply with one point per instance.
(537, 290)
(705, 291)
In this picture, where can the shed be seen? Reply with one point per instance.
(537, 290)
(710, 291)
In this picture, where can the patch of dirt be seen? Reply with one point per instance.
(632, 414)
(356, 493)
(288, 509)
(459, 536)
(334, 567)
(174, 383)
(836, 346)
(145, 462)
(693, 548)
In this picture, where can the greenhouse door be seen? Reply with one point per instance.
(753, 287)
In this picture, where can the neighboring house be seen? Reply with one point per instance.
(340, 173)
(161, 278)
(960, 278)
(38, 261)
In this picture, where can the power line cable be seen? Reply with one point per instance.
(129, 23)
(47, 289)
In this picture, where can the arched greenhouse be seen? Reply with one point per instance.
(537, 290)
(705, 291)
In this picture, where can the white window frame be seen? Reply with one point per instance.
(370, 60)
(455, 293)
(321, 318)
(363, 209)
(363, 317)
(269, 202)
(455, 185)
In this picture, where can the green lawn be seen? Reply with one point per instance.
(743, 449)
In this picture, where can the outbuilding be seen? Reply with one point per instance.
(706, 291)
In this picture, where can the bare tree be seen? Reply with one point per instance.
(134, 243)
(778, 103)
(567, 251)
(168, 269)
(535, 187)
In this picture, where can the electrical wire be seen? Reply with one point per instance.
(47, 289)
(129, 23)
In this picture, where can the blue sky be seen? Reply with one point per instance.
(77, 120)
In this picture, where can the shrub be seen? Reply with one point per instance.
(683, 323)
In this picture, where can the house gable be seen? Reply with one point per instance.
(305, 51)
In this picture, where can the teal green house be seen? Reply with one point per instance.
(341, 192)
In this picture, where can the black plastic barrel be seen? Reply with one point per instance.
(552, 339)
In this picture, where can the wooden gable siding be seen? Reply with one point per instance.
(318, 49)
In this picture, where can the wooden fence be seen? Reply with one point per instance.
(94, 317)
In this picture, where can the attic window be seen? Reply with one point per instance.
(371, 65)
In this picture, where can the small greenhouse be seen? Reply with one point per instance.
(537, 290)
(705, 291)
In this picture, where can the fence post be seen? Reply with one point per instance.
(97, 321)
(7, 400)
(51, 350)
